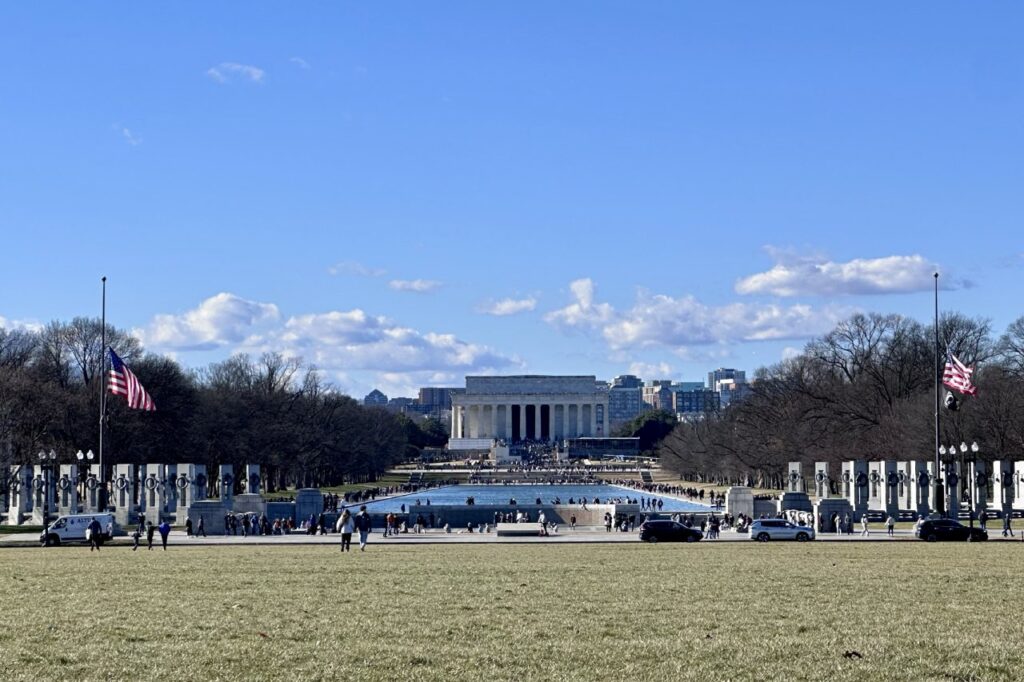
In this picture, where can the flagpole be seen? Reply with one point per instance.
(940, 502)
(103, 385)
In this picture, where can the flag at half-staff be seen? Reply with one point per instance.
(122, 381)
(956, 376)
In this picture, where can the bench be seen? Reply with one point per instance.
(514, 529)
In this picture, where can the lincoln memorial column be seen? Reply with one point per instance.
(536, 422)
(579, 420)
(494, 420)
(508, 422)
(522, 422)
(593, 420)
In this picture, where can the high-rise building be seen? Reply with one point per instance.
(627, 381)
(624, 404)
(696, 402)
(375, 398)
(657, 395)
(436, 396)
(731, 391)
(725, 374)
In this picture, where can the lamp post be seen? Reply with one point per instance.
(938, 470)
(82, 471)
(968, 493)
(47, 461)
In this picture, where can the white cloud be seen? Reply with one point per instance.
(347, 341)
(225, 71)
(218, 321)
(509, 306)
(665, 321)
(582, 312)
(789, 352)
(420, 286)
(300, 62)
(647, 370)
(659, 320)
(351, 347)
(132, 139)
(20, 325)
(816, 276)
(354, 268)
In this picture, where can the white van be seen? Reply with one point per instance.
(71, 528)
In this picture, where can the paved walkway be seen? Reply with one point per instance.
(564, 535)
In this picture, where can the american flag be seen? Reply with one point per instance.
(957, 375)
(123, 382)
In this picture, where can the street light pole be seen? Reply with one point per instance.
(46, 463)
(968, 493)
(940, 503)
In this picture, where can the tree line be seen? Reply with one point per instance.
(865, 390)
(270, 411)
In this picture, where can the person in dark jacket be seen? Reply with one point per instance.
(95, 535)
(150, 529)
(363, 525)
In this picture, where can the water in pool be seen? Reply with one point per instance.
(526, 494)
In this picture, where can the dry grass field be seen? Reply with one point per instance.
(835, 611)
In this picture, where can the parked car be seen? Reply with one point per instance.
(948, 529)
(764, 530)
(668, 531)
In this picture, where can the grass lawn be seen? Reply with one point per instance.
(513, 612)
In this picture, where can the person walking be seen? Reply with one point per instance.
(847, 524)
(345, 526)
(890, 525)
(363, 525)
(150, 529)
(95, 535)
(572, 522)
(188, 528)
(1007, 524)
(864, 531)
(165, 530)
(201, 528)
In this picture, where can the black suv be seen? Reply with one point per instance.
(948, 529)
(668, 531)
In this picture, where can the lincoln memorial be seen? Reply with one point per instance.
(543, 408)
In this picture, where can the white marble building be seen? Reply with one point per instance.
(544, 408)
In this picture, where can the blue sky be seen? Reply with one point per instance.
(657, 187)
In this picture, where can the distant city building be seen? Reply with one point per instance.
(375, 398)
(433, 402)
(627, 381)
(624, 404)
(697, 402)
(730, 391)
(687, 385)
(399, 404)
(725, 374)
(436, 397)
(657, 395)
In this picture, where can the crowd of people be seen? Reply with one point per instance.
(688, 492)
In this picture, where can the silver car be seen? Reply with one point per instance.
(764, 530)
